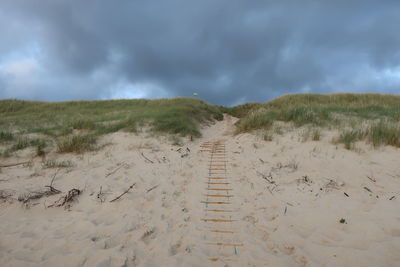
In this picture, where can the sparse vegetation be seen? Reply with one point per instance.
(267, 136)
(6, 136)
(316, 134)
(176, 140)
(75, 126)
(349, 137)
(57, 164)
(380, 133)
(24, 142)
(243, 110)
(386, 133)
(76, 143)
(347, 111)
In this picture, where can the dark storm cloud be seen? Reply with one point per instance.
(227, 51)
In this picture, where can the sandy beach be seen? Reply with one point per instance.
(290, 203)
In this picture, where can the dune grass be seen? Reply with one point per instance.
(6, 136)
(381, 112)
(76, 125)
(56, 164)
(76, 143)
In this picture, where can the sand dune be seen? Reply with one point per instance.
(287, 198)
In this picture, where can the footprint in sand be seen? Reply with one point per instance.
(174, 249)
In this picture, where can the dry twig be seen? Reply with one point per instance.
(116, 169)
(126, 191)
(69, 197)
(14, 164)
(100, 195)
(146, 158)
(52, 189)
(266, 177)
(154, 187)
(372, 179)
(39, 194)
(366, 188)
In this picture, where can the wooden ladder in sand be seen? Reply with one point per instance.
(220, 232)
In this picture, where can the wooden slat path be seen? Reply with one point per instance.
(221, 230)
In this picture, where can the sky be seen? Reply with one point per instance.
(227, 51)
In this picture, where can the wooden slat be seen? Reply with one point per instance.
(221, 259)
(219, 189)
(215, 210)
(224, 231)
(215, 202)
(208, 195)
(218, 220)
(226, 244)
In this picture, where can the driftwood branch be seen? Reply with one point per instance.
(39, 194)
(126, 191)
(14, 164)
(69, 197)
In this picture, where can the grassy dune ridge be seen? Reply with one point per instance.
(74, 126)
(371, 117)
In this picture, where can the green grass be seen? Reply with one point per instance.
(76, 143)
(316, 134)
(24, 142)
(75, 126)
(82, 124)
(79, 123)
(242, 110)
(6, 136)
(349, 137)
(329, 111)
(57, 164)
(384, 133)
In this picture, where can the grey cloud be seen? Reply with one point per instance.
(227, 51)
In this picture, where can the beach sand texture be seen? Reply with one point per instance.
(285, 198)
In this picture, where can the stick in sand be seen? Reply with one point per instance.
(126, 191)
(141, 153)
(14, 164)
(154, 187)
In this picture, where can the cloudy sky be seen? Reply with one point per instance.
(228, 51)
